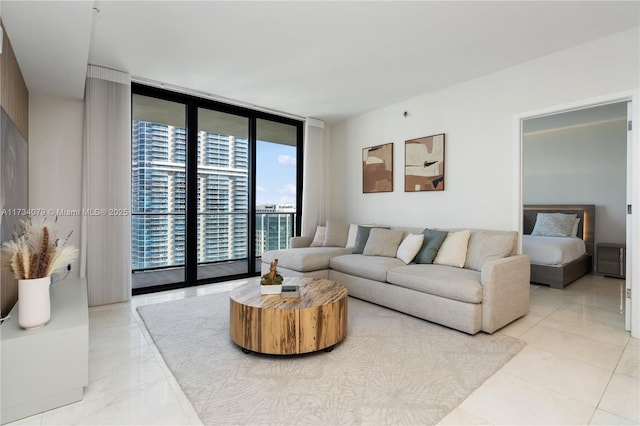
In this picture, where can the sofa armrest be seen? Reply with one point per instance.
(505, 291)
(297, 242)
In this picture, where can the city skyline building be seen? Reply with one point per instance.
(275, 224)
(159, 199)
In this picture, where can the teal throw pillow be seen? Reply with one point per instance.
(432, 241)
(361, 239)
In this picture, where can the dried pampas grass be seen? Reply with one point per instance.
(36, 251)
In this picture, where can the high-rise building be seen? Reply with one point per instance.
(223, 197)
(159, 199)
(159, 196)
(275, 224)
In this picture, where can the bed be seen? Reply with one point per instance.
(557, 261)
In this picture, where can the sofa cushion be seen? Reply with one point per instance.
(362, 236)
(318, 238)
(409, 247)
(304, 259)
(371, 267)
(383, 242)
(444, 281)
(453, 251)
(489, 245)
(337, 233)
(432, 241)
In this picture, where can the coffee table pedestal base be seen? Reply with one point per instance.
(272, 325)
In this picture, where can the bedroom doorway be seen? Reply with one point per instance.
(588, 154)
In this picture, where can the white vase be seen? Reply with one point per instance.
(271, 289)
(34, 303)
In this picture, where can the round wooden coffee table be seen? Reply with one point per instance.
(272, 325)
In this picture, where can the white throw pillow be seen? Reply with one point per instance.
(410, 247)
(318, 239)
(453, 251)
(351, 238)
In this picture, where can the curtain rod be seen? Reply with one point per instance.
(212, 97)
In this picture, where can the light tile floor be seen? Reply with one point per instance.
(579, 366)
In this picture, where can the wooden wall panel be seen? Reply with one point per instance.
(14, 96)
(9, 293)
(14, 99)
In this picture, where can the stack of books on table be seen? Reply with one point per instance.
(290, 292)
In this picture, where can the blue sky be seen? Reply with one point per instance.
(275, 174)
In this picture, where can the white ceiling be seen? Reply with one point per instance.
(328, 60)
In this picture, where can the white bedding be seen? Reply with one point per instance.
(553, 251)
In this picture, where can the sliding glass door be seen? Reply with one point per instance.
(158, 196)
(213, 187)
(223, 194)
(276, 188)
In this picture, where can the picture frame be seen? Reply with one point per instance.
(377, 168)
(424, 166)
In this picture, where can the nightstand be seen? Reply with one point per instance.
(611, 260)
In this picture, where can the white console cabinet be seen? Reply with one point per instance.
(46, 368)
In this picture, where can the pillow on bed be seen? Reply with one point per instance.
(554, 224)
(574, 230)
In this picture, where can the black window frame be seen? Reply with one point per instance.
(192, 103)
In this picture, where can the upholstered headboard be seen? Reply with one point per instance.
(586, 213)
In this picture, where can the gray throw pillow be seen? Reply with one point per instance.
(554, 224)
(383, 242)
(337, 234)
(432, 241)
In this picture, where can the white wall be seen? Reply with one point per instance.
(581, 165)
(477, 118)
(55, 161)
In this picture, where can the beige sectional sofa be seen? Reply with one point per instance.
(473, 281)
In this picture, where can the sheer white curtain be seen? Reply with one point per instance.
(105, 247)
(313, 208)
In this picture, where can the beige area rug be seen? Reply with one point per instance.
(391, 369)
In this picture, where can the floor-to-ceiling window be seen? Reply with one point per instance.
(213, 186)
(158, 192)
(223, 193)
(276, 189)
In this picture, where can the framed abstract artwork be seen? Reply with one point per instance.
(377, 168)
(424, 164)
